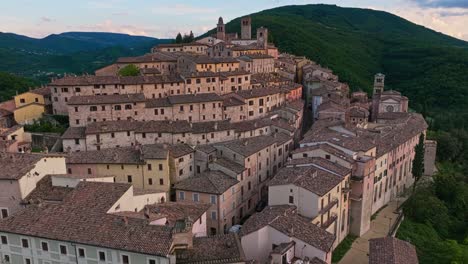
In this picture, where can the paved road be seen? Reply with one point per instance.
(379, 228)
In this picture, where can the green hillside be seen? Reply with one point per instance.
(429, 67)
(72, 52)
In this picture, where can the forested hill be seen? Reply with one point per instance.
(429, 67)
(75, 52)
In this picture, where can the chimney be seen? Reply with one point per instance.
(216, 126)
(125, 220)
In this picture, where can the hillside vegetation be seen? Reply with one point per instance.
(429, 67)
(71, 52)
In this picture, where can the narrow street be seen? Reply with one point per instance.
(380, 227)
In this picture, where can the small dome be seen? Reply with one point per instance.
(220, 20)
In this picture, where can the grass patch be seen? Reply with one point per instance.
(342, 248)
(47, 125)
(36, 150)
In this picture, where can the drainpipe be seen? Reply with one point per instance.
(76, 253)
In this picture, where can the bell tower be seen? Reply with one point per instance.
(262, 37)
(246, 28)
(379, 83)
(221, 33)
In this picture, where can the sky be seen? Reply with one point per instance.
(164, 18)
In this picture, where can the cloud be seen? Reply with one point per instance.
(450, 21)
(442, 3)
(121, 14)
(452, 13)
(152, 31)
(109, 26)
(46, 19)
(183, 9)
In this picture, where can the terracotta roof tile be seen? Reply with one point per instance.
(106, 99)
(74, 132)
(225, 248)
(83, 213)
(286, 220)
(312, 179)
(214, 182)
(390, 250)
(16, 165)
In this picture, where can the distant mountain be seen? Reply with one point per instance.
(429, 67)
(73, 52)
(70, 42)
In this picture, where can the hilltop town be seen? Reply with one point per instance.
(206, 155)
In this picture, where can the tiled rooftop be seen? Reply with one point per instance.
(16, 165)
(82, 214)
(225, 248)
(106, 99)
(214, 182)
(285, 219)
(248, 146)
(390, 250)
(124, 155)
(320, 163)
(312, 179)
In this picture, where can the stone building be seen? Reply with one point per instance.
(193, 47)
(31, 105)
(191, 107)
(257, 63)
(150, 167)
(85, 109)
(14, 139)
(19, 175)
(430, 151)
(386, 101)
(246, 27)
(281, 233)
(219, 190)
(380, 161)
(319, 189)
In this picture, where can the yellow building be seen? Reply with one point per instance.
(32, 105)
(145, 167)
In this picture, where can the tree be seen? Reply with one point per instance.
(448, 146)
(191, 36)
(178, 39)
(418, 162)
(129, 70)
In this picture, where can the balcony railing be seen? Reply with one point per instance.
(329, 206)
(330, 221)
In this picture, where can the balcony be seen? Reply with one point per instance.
(332, 203)
(330, 221)
(346, 189)
(357, 178)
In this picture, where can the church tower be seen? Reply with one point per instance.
(221, 33)
(246, 28)
(379, 85)
(262, 37)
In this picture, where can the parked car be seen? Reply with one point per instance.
(235, 229)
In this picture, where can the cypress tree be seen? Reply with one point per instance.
(178, 39)
(418, 162)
